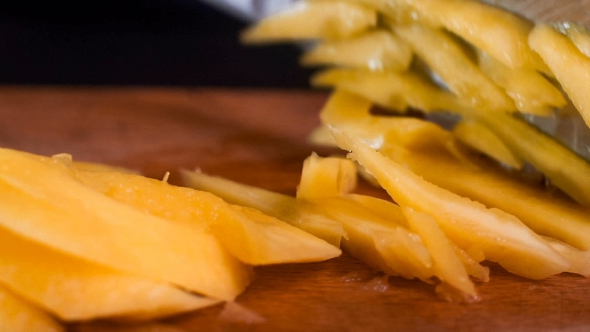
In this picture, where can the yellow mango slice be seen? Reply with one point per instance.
(377, 241)
(375, 50)
(578, 34)
(446, 58)
(388, 209)
(326, 177)
(76, 289)
(380, 242)
(43, 201)
(472, 266)
(353, 110)
(531, 92)
(300, 214)
(539, 210)
(579, 259)
(392, 90)
(482, 139)
(313, 20)
(261, 240)
(17, 315)
(570, 66)
(394, 11)
(495, 31)
(565, 169)
(447, 266)
(502, 237)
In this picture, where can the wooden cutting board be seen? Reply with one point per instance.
(258, 137)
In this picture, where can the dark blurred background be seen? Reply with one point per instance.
(136, 42)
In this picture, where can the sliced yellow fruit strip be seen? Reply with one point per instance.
(261, 240)
(18, 315)
(326, 177)
(481, 138)
(392, 90)
(570, 65)
(345, 108)
(565, 169)
(579, 259)
(75, 289)
(447, 266)
(303, 215)
(463, 77)
(495, 31)
(531, 92)
(375, 50)
(502, 237)
(313, 20)
(377, 241)
(45, 203)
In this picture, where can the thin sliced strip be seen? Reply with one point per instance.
(376, 241)
(75, 289)
(323, 20)
(392, 90)
(496, 31)
(565, 169)
(261, 239)
(345, 108)
(446, 58)
(579, 259)
(326, 177)
(44, 202)
(501, 236)
(18, 315)
(482, 139)
(447, 266)
(570, 66)
(544, 213)
(375, 50)
(531, 91)
(201, 210)
(282, 207)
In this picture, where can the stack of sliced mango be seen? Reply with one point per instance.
(81, 242)
(488, 68)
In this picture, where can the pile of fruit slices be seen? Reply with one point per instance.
(134, 248)
(488, 68)
(79, 242)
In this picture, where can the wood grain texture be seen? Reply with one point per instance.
(258, 137)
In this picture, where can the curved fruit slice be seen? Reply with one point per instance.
(261, 240)
(570, 66)
(496, 31)
(532, 93)
(463, 77)
(565, 169)
(42, 201)
(501, 236)
(326, 177)
(303, 215)
(447, 266)
(392, 90)
(75, 289)
(482, 139)
(17, 315)
(376, 50)
(313, 20)
(542, 212)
